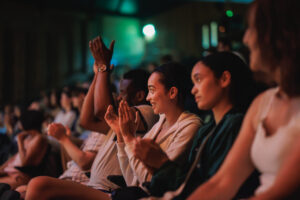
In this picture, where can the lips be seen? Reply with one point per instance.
(197, 99)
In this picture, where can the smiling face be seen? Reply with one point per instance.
(207, 90)
(158, 96)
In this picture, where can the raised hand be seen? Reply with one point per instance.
(100, 52)
(58, 131)
(21, 136)
(112, 119)
(149, 153)
(128, 121)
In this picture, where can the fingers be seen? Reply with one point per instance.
(120, 110)
(131, 112)
(54, 128)
(101, 42)
(126, 111)
(91, 45)
(68, 131)
(112, 45)
(111, 67)
(137, 118)
(108, 110)
(96, 43)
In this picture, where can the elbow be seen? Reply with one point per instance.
(99, 113)
(83, 122)
(25, 162)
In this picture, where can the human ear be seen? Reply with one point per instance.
(173, 92)
(225, 79)
(140, 96)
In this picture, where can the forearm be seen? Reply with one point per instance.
(119, 137)
(87, 118)
(124, 164)
(87, 112)
(79, 156)
(103, 94)
(214, 189)
(138, 168)
(22, 151)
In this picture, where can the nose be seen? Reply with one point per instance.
(245, 38)
(148, 97)
(193, 91)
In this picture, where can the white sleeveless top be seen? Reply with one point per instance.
(268, 153)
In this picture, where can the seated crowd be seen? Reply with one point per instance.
(147, 142)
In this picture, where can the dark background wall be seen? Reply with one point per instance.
(44, 47)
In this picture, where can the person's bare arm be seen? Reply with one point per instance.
(103, 94)
(237, 165)
(87, 118)
(34, 152)
(84, 159)
(2, 167)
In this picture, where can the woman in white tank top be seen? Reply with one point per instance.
(271, 127)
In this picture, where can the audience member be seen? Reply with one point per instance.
(33, 153)
(222, 83)
(271, 124)
(173, 132)
(106, 161)
(66, 115)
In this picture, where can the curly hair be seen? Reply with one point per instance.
(278, 28)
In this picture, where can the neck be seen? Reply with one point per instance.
(220, 110)
(172, 115)
(276, 75)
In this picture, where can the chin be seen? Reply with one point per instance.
(202, 107)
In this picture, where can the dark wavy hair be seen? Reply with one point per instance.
(32, 120)
(174, 75)
(242, 89)
(278, 28)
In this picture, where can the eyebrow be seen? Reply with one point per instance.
(196, 75)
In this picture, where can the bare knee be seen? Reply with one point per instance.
(37, 188)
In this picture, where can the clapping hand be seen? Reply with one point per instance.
(149, 153)
(58, 131)
(128, 121)
(21, 136)
(112, 119)
(100, 52)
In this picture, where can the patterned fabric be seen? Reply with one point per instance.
(74, 173)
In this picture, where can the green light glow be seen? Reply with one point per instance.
(128, 7)
(229, 13)
(205, 36)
